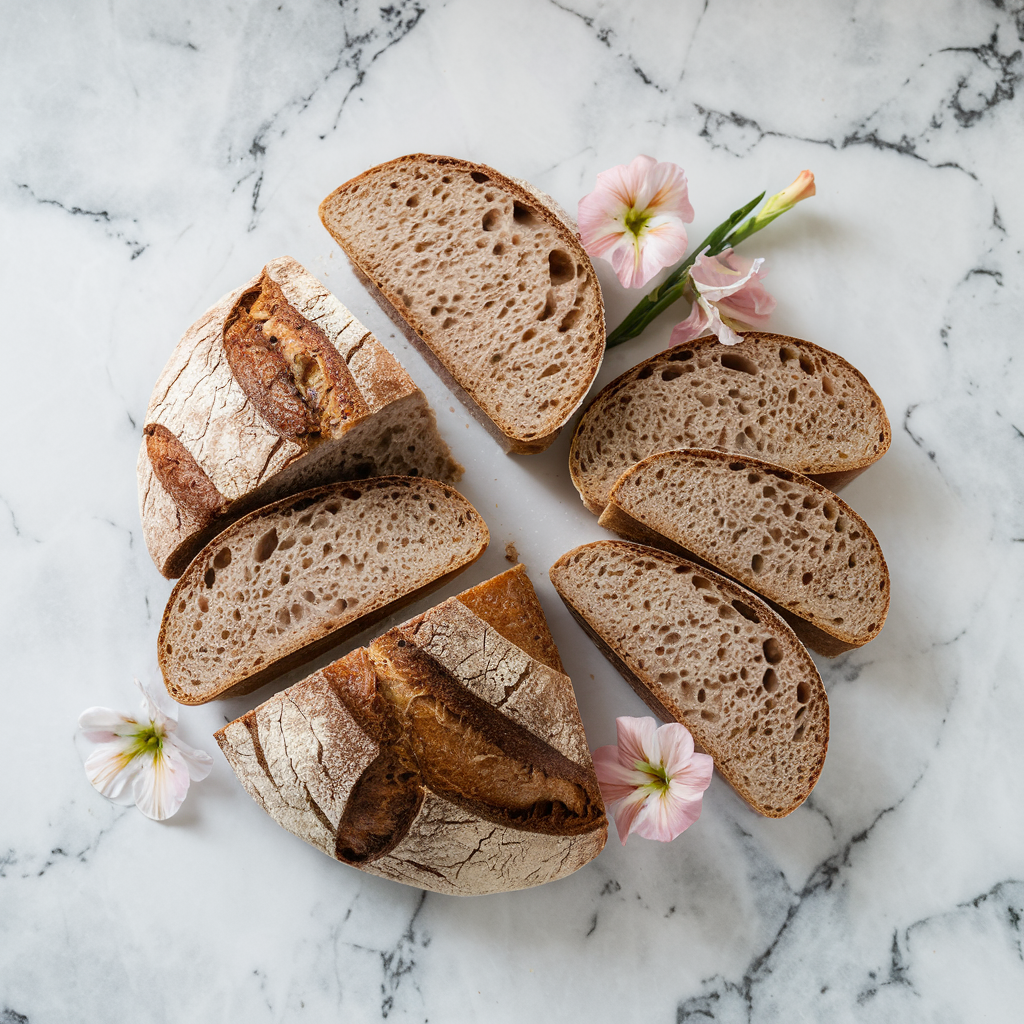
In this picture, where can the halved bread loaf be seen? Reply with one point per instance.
(774, 397)
(442, 755)
(300, 576)
(702, 651)
(487, 277)
(779, 533)
(276, 389)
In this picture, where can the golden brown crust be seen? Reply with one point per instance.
(443, 789)
(509, 603)
(179, 473)
(287, 368)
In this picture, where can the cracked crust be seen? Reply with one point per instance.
(376, 421)
(442, 756)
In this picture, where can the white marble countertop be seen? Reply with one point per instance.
(155, 156)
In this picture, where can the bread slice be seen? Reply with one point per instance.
(276, 389)
(487, 278)
(442, 755)
(778, 533)
(700, 650)
(302, 575)
(776, 398)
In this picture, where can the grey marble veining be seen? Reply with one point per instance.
(155, 156)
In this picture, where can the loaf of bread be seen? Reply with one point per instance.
(276, 389)
(702, 651)
(777, 398)
(778, 533)
(487, 277)
(299, 576)
(442, 755)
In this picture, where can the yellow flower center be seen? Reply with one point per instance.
(635, 220)
(657, 774)
(148, 741)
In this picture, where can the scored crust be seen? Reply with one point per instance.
(487, 278)
(776, 398)
(441, 756)
(700, 650)
(779, 533)
(208, 434)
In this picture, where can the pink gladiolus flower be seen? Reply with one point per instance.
(728, 296)
(802, 188)
(634, 219)
(652, 782)
(142, 761)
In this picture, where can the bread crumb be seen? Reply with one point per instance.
(511, 554)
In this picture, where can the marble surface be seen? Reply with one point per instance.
(156, 155)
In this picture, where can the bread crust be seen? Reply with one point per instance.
(418, 331)
(199, 402)
(716, 724)
(361, 712)
(817, 631)
(749, 400)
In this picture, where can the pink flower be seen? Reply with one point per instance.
(634, 218)
(652, 781)
(141, 761)
(728, 295)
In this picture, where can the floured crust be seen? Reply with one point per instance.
(522, 390)
(199, 402)
(312, 756)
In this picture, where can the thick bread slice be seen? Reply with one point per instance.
(702, 651)
(441, 756)
(779, 533)
(487, 278)
(774, 397)
(302, 575)
(231, 428)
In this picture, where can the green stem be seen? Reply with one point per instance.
(672, 288)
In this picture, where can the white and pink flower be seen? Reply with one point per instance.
(727, 296)
(635, 217)
(141, 760)
(653, 781)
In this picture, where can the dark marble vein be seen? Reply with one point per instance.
(399, 963)
(102, 217)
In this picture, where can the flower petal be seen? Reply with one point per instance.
(675, 747)
(198, 762)
(617, 780)
(635, 736)
(628, 810)
(666, 816)
(161, 784)
(111, 766)
(696, 324)
(101, 725)
(691, 781)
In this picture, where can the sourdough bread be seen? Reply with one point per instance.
(702, 651)
(778, 533)
(276, 389)
(300, 576)
(442, 756)
(773, 397)
(487, 278)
